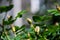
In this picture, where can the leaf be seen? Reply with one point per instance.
(41, 18)
(56, 13)
(5, 22)
(11, 21)
(9, 7)
(17, 37)
(8, 22)
(52, 10)
(5, 8)
(20, 14)
(20, 29)
(17, 28)
(36, 18)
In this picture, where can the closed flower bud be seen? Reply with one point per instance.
(13, 28)
(28, 39)
(8, 16)
(57, 23)
(46, 30)
(37, 29)
(28, 34)
(29, 20)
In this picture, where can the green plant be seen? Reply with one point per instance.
(40, 27)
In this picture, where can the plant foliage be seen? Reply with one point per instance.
(43, 30)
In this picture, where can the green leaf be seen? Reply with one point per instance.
(36, 18)
(51, 10)
(5, 22)
(17, 28)
(17, 37)
(20, 29)
(57, 14)
(54, 11)
(5, 8)
(9, 7)
(41, 18)
(11, 21)
(20, 14)
(8, 22)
